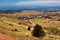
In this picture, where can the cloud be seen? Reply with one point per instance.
(30, 2)
(47, 2)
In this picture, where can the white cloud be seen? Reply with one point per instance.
(47, 2)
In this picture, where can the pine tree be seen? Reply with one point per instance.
(38, 32)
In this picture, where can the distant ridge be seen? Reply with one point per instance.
(40, 8)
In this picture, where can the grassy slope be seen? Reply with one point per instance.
(8, 23)
(46, 22)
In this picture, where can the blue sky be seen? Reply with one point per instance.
(30, 2)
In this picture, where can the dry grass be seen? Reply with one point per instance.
(9, 23)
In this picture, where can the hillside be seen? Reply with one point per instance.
(15, 24)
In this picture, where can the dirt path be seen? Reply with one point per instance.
(6, 37)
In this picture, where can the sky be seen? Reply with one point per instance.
(29, 2)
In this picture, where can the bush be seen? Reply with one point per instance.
(38, 32)
(14, 30)
(52, 30)
(11, 24)
(29, 28)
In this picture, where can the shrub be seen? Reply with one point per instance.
(20, 23)
(58, 19)
(29, 28)
(38, 32)
(11, 24)
(27, 35)
(52, 30)
(14, 30)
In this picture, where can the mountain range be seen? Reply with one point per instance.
(41, 8)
